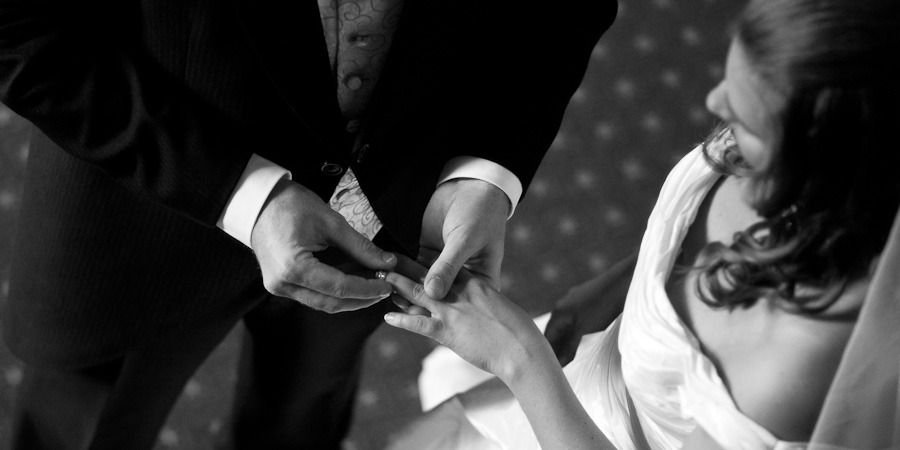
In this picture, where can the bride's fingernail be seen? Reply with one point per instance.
(390, 317)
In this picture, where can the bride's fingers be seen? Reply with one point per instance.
(401, 302)
(426, 326)
(410, 269)
(412, 291)
(408, 307)
(418, 311)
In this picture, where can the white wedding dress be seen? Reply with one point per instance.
(647, 358)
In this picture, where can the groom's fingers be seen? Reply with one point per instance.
(323, 302)
(358, 248)
(320, 286)
(310, 273)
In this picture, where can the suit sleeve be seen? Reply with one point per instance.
(78, 71)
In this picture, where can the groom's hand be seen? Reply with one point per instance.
(293, 224)
(464, 225)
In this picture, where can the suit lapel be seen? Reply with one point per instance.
(287, 37)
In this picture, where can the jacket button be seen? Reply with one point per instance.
(331, 169)
(361, 153)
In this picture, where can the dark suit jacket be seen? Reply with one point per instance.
(147, 112)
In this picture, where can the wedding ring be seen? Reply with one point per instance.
(380, 274)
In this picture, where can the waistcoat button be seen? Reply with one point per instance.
(331, 169)
(354, 82)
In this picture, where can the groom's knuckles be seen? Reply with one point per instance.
(354, 244)
(367, 249)
(274, 282)
(280, 274)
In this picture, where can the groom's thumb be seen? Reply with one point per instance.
(444, 270)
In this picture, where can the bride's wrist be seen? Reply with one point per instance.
(528, 364)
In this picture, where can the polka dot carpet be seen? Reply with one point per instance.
(640, 107)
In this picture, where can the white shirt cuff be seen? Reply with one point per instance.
(489, 171)
(249, 196)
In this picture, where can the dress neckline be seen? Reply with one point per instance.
(695, 197)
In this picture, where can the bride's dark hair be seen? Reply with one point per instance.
(835, 178)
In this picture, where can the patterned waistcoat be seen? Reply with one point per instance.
(358, 34)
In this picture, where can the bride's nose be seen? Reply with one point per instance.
(715, 100)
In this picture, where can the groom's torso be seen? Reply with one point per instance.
(91, 255)
(97, 267)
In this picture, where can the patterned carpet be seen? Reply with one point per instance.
(640, 108)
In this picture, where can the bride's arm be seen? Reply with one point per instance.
(494, 334)
(557, 417)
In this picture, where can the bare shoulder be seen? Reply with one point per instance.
(780, 373)
(777, 364)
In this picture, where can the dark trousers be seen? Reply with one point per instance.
(298, 375)
(121, 404)
(297, 379)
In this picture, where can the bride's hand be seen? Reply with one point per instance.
(588, 308)
(474, 320)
